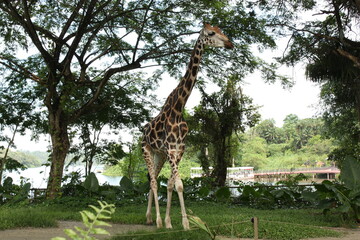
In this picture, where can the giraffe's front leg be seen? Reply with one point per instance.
(180, 189)
(153, 187)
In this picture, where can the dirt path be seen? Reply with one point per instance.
(48, 233)
(350, 234)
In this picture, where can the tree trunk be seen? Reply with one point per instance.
(357, 97)
(60, 147)
(221, 164)
(204, 161)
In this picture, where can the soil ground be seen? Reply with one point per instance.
(48, 233)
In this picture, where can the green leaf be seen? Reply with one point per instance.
(223, 194)
(101, 223)
(326, 204)
(356, 202)
(350, 173)
(309, 196)
(58, 238)
(71, 233)
(204, 191)
(97, 210)
(126, 184)
(89, 214)
(99, 231)
(344, 208)
(197, 222)
(80, 230)
(91, 183)
(248, 191)
(85, 219)
(102, 216)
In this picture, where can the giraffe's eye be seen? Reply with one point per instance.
(211, 33)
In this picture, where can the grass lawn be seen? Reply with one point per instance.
(226, 220)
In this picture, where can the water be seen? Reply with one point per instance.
(38, 176)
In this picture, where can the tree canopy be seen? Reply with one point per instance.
(79, 57)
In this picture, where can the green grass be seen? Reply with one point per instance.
(222, 218)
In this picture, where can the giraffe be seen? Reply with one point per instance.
(164, 136)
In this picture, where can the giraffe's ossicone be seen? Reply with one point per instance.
(164, 136)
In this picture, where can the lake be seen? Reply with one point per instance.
(38, 176)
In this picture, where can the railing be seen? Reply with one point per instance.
(37, 193)
(298, 170)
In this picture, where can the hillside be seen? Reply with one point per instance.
(29, 159)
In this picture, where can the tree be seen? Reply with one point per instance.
(16, 115)
(81, 47)
(329, 45)
(289, 126)
(218, 117)
(254, 152)
(267, 130)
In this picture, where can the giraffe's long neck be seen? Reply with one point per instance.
(179, 96)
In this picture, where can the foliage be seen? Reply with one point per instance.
(91, 222)
(17, 114)
(286, 194)
(297, 143)
(327, 43)
(197, 222)
(343, 197)
(79, 193)
(253, 152)
(12, 194)
(130, 164)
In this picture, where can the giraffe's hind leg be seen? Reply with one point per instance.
(154, 162)
(149, 159)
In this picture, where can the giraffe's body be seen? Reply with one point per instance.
(164, 135)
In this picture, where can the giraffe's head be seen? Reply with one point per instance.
(213, 36)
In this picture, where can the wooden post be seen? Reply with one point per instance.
(256, 228)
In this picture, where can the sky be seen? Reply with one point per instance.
(276, 102)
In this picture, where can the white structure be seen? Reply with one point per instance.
(233, 173)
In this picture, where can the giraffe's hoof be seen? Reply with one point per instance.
(159, 223)
(185, 223)
(168, 223)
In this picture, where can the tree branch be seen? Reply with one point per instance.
(349, 56)
(141, 30)
(100, 87)
(24, 71)
(29, 27)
